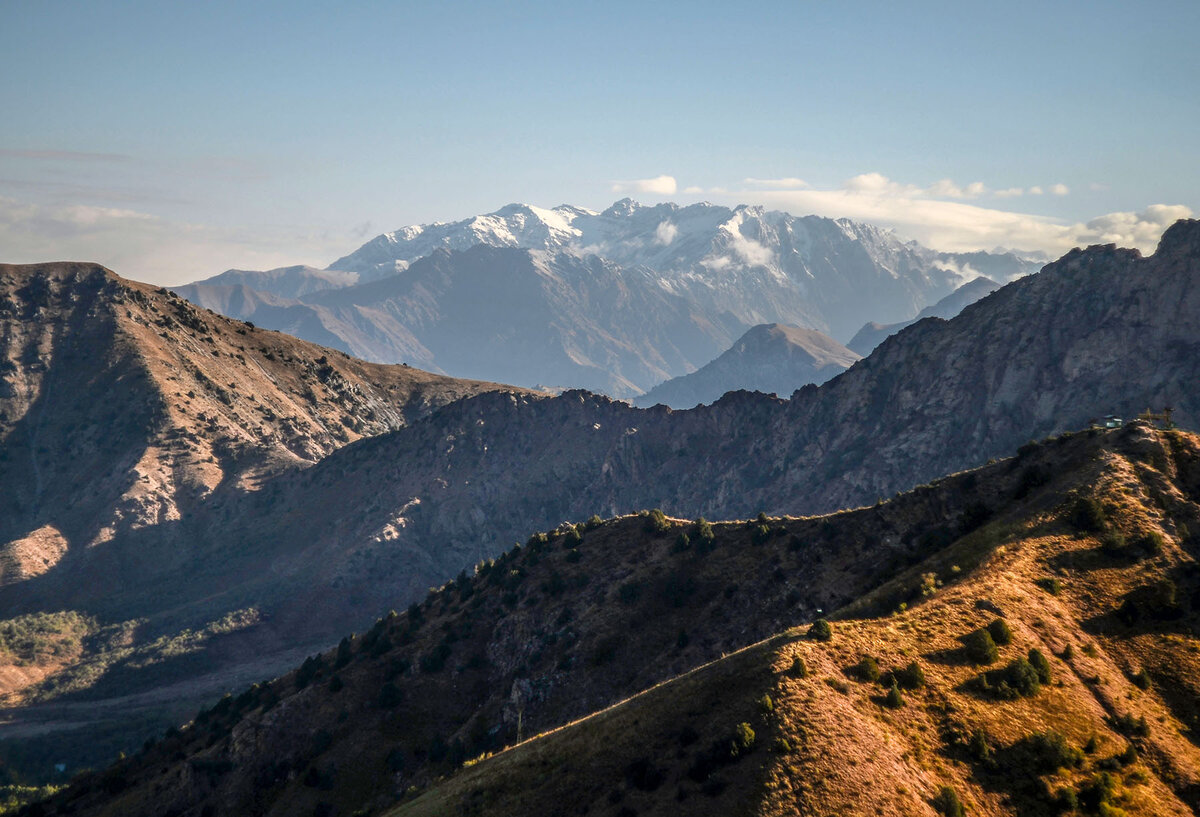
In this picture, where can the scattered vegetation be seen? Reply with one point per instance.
(820, 630)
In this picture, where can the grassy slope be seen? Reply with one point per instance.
(847, 753)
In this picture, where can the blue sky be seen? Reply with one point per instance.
(172, 141)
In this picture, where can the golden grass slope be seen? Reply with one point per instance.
(828, 743)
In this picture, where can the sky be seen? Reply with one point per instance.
(171, 141)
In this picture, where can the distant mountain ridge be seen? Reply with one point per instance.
(771, 358)
(873, 334)
(704, 274)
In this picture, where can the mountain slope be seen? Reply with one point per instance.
(1101, 331)
(872, 334)
(128, 419)
(770, 358)
(590, 615)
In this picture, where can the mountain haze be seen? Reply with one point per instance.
(771, 358)
(690, 281)
(872, 334)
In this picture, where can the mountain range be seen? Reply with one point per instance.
(196, 502)
(614, 301)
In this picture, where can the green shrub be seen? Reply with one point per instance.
(867, 669)
(1141, 680)
(946, 803)
(1112, 542)
(797, 668)
(704, 533)
(1049, 751)
(1050, 585)
(1000, 633)
(979, 647)
(1151, 542)
(743, 740)
(766, 705)
(820, 630)
(656, 522)
(1097, 792)
(979, 747)
(682, 543)
(1040, 665)
(910, 677)
(893, 699)
(1130, 726)
(1087, 515)
(761, 534)
(594, 521)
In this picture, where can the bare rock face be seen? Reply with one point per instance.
(771, 358)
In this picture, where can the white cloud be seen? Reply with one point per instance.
(1141, 230)
(693, 190)
(956, 225)
(659, 185)
(1059, 189)
(1036, 190)
(947, 189)
(1009, 192)
(665, 233)
(788, 183)
(148, 248)
(1097, 186)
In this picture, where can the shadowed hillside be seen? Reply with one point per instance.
(1080, 548)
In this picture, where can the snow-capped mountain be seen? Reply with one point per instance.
(623, 298)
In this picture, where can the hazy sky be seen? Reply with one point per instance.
(174, 140)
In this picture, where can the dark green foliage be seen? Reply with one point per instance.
(1112, 542)
(594, 521)
(1130, 755)
(683, 640)
(979, 748)
(573, 539)
(1047, 752)
(820, 630)
(308, 670)
(1087, 515)
(1000, 633)
(573, 556)
(434, 660)
(682, 543)
(1091, 746)
(946, 803)
(973, 517)
(867, 669)
(909, 677)
(893, 699)
(1040, 665)
(656, 522)
(1033, 477)
(1151, 543)
(761, 533)
(643, 775)
(1141, 679)
(1130, 726)
(345, 653)
(1017, 680)
(766, 705)
(390, 696)
(1065, 800)
(743, 740)
(797, 668)
(1050, 585)
(1097, 791)
(678, 588)
(336, 684)
(703, 534)
(979, 647)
